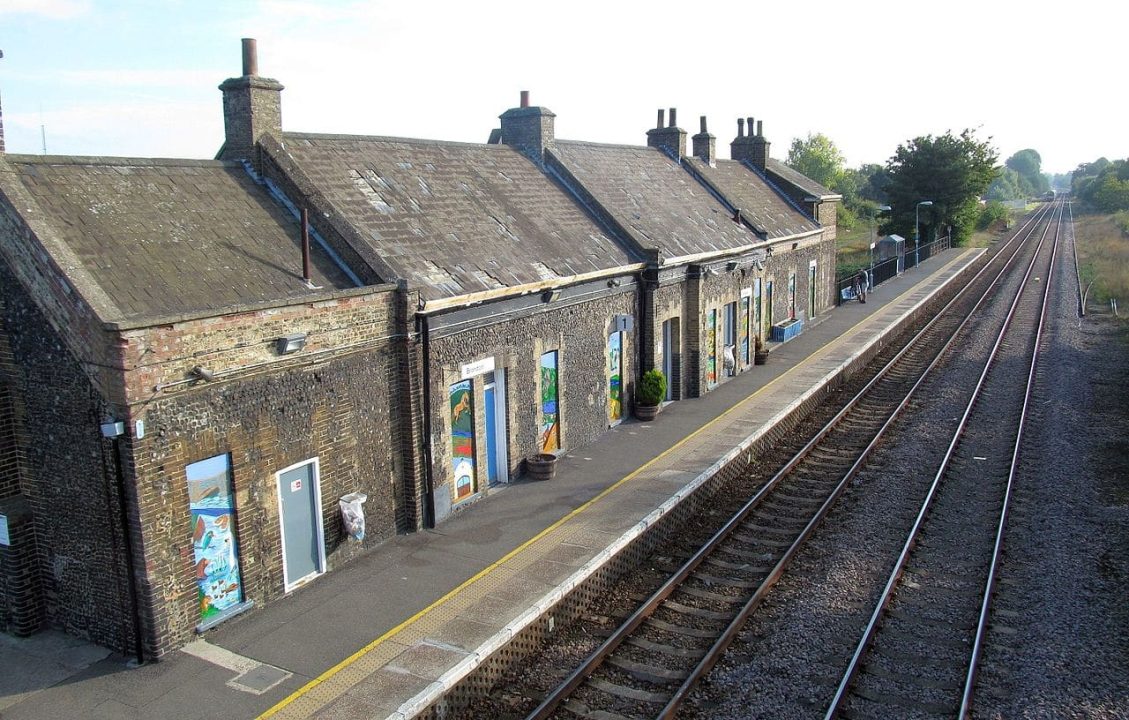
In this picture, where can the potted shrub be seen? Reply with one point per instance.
(650, 391)
(760, 353)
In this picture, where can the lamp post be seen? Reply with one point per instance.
(917, 228)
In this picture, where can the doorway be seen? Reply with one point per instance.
(811, 289)
(299, 509)
(792, 296)
(615, 378)
(497, 459)
(671, 358)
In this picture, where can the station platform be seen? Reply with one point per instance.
(392, 631)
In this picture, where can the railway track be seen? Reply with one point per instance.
(648, 665)
(919, 653)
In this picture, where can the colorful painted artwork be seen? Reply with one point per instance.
(462, 438)
(711, 347)
(211, 505)
(615, 377)
(550, 415)
(743, 331)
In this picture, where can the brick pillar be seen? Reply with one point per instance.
(21, 594)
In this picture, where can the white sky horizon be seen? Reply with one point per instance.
(139, 79)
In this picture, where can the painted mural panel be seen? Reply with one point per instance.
(615, 377)
(711, 347)
(743, 331)
(462, 438)
(211, 505)
(550, 412)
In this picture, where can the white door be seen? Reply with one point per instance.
(299, 509)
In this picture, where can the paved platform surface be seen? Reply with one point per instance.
(384, 636)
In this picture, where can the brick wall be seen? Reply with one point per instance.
(70, 502)
(578, 331)
(339, 399)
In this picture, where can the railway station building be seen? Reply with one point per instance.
(199, 359)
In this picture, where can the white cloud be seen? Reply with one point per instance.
(52, 9)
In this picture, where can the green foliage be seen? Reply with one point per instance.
(818, 158)
(1027, 164)
(990, 214)
(952, 171)
(651, 388)
(1102, 185)
(1007, 186)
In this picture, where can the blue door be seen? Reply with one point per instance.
(497, 464)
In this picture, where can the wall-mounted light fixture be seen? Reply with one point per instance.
(550, 296)
(710, 272)
(614, 282)
(290, 343)
(201, 373)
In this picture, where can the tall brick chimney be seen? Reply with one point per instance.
(705, 145)
(742, 146)
(670, 139)
(252, 107)
(528, 129)
(760, 146)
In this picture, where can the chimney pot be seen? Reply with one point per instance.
(250, 57)
(662, 119)
(674, 117)
(525, 98)
(760, 128)
(740, 127)
(702, 120)
(749, 122)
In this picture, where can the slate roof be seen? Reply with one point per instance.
(764, 206)
(169, 237)
(654, 197)
(775, 167)
(455, 218)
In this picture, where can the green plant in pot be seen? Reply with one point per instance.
(650, 391)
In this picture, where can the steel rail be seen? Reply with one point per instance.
(730, 633)
(997, 550)
(899, 565)
(575, 679)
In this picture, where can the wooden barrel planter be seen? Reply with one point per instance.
(542, 466)
(646, 412)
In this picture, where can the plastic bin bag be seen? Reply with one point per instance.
(353, 514)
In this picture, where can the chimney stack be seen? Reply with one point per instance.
(760, 147)
(670, 139)
(528, 129)
(252, 108)
(705, 145)
(751, 148)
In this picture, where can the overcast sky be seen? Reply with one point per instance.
(139, 78)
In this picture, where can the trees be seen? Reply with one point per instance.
(818, 158)
(1103, 185)
(952, 171)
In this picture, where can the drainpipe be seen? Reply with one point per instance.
(428, 471)
(127, 536)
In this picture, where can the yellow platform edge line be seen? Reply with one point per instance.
(525, 545)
